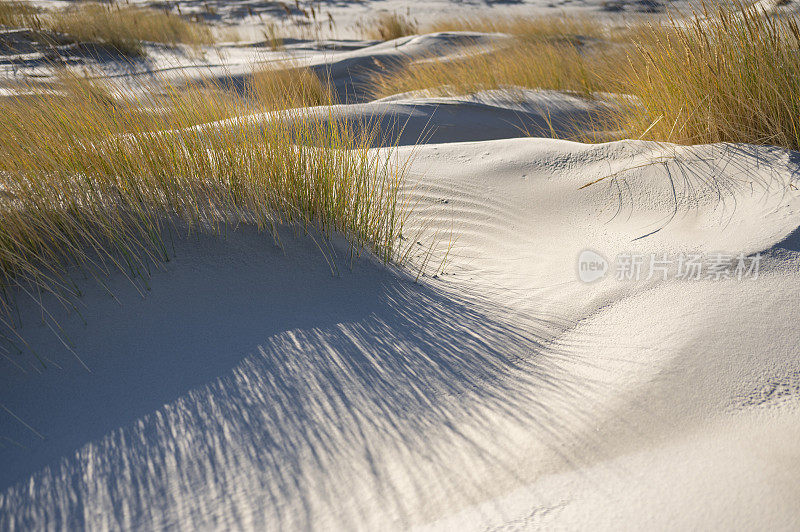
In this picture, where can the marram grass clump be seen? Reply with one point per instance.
(390, 26)
(539, 29)
(94, 180)
(296, 87)
(123, 28)
(16, 14)
(544, 52)
(722, 76)
(555, 66)
(725, 74)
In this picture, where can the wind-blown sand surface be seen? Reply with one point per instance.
(245, 386)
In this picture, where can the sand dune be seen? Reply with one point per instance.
(269, 393)
(245, 385)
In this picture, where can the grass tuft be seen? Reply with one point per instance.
(19, 14)
(538, 29)
(725, 74)
(124, 28)
(517, 64)
(390, 26)
(92, 179)
(288, 88)
(722, 76)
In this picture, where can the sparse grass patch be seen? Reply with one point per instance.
(723, 76)
(558, 66)
(124, 28)
(570, 54)
(727, 74)
(390, 26)
(288, 87)
(273, 37)
(19, 14)
(544, 28)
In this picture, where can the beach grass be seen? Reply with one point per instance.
(543, 52)
(388, 26)
(289, 86)
(124, 27)
(92, 178)
(723, 74)
(16, 14)
(541, 28)
(120, 27)
(558, 66)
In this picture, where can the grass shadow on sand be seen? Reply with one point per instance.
(252, 375)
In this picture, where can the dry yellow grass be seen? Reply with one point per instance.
(92, 180)
(123, 28)
(294, 86)
(548, 65)
(544, 28)
(390, 26)
(570, 54)
(18, 14)
(724, 75)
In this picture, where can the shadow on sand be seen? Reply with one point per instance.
(251, 387)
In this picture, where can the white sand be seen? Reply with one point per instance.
(250, 388)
